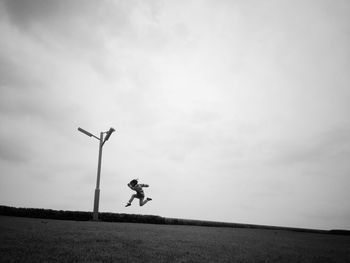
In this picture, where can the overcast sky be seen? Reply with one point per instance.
(234, 111)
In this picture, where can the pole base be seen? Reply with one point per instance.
(96, 203)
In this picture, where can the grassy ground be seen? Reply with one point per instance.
(37, 240)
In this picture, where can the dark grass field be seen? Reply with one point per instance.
(38, 240)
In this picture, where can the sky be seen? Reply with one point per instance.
(232, 111)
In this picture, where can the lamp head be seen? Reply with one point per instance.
(85, 132)
(109, 133)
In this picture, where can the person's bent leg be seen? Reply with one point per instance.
(143, 201)
(132, 198)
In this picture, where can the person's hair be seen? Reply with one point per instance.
(133, 182)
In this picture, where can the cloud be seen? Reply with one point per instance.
(87, 26)
(14, 150)
(24, 93)
(58, 15)
(10, 76)
(321, 148)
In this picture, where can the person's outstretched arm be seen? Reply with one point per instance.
(144, 185)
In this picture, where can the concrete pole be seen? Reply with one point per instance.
(97, 190)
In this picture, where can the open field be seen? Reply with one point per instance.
(39, 240)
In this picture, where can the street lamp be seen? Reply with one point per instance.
(102, 142)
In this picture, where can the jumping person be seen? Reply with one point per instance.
(134, 185)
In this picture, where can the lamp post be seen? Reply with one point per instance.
(97, 189)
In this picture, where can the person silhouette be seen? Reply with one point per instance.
(134, 185)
